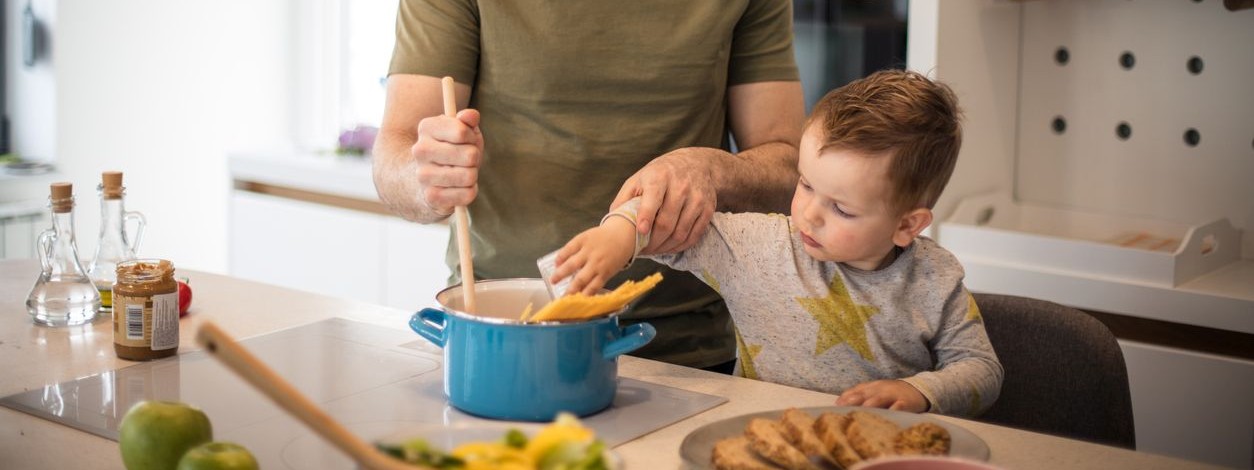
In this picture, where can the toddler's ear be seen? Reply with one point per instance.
(910, 225)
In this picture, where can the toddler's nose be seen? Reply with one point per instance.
(814, 213)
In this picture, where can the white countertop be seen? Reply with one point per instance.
(331, 174)
(34, 357)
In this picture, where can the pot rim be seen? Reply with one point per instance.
(512, 321)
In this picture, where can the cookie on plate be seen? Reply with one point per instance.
(830, 428)
(735, 453)
(768, 440)
(872, 435)
(924, 438)
(799, 429)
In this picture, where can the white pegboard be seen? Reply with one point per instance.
(1154, 172)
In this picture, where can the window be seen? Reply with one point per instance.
(370, 28)
(342, 52)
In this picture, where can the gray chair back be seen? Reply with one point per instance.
(1065, 373)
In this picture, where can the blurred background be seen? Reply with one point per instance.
(167, 91)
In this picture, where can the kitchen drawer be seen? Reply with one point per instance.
(307, 246)
(333, 247)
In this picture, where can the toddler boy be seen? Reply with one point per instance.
(843, 296)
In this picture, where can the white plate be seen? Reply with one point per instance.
(699, 445)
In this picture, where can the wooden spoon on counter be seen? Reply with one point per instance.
(225, 349)
(462, 216)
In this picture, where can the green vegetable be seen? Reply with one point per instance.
(516, 439)
(575, 456)
(418, 451)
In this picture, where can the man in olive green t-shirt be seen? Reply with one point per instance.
(575, 107)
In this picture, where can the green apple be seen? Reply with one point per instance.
(218, 456)
(155, 434)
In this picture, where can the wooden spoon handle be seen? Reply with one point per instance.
(462, 217)
(221, 346)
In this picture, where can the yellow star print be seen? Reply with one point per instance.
(973, 311)
(747, 355)
(840, 319)
(709, 280)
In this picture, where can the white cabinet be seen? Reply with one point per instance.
(334, 251)
(413, 267)
(1192, 405)
(306, 246)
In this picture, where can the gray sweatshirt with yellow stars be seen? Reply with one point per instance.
(826, 326)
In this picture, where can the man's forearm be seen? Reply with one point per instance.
(760, 179)
(396, 179)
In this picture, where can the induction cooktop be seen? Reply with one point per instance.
(375, 380)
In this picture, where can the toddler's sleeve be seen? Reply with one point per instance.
(713, 254)
(967, 377)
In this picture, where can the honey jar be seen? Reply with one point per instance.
(145, 310)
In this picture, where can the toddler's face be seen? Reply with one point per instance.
(842, 205)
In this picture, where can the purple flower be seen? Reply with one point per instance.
(357, 141)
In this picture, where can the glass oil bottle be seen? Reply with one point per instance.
(113, 246)
(63, 295)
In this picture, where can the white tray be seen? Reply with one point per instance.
(1144, 251)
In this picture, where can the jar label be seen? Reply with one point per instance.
(146, 322)
(165, 321)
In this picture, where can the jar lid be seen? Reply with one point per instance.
(142, 270)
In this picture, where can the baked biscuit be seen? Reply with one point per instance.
(735, 453)
(923, 439)
(799, 429)
(768, 440)
(830, 427)
(871, 435)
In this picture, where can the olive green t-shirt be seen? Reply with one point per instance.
(575, 97)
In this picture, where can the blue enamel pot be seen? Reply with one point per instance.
(498, 367)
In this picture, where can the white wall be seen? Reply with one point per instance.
(162, 90)
(984, 75)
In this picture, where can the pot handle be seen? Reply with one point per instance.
(634, 336)
(429, 324)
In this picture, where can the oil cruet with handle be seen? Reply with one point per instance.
(113, 246)
(63, 295)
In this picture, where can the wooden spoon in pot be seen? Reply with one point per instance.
(225, 349)
(462, 216)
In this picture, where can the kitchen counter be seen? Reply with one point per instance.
(33, 357)
(336, 175)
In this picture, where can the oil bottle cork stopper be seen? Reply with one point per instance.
(111, 184)
(62, 197)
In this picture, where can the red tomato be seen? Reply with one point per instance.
(185, 298)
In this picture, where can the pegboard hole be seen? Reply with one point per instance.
(1059, 125)
(1194, 65)
(1192, 137)
(1123, 131)
(1127, 60)
(1062, 55)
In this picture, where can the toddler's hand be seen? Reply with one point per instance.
(891, 394)
(596, 255)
